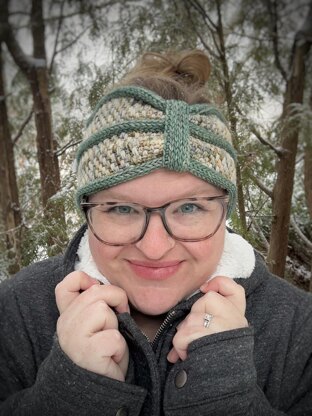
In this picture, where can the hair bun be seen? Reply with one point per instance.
(174, 75)
(186, 67)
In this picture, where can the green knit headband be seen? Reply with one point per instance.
(133, 131)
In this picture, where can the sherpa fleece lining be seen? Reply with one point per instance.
(237, 261)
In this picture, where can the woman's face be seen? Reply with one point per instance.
(158, 271)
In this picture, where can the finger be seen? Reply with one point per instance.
(182, 339)
(193, 319)
(97, 317)
(114, 296)
(228, 288)
(108, 354)
(70, 287)
(216, 305)
(110, 343)
(173, 356)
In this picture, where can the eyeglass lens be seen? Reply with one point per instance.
(124, 223)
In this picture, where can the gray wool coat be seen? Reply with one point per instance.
(262, 370)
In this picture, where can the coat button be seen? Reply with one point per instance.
(180, 379)
(123, 411)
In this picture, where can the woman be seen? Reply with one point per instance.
(156, 308)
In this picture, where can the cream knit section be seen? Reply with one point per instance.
(117, 153)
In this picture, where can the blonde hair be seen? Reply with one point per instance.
(173, 75)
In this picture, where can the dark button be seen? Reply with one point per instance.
(123, 411)
(180, 379)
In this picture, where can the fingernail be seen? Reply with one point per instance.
(204, 287)
(169, 358)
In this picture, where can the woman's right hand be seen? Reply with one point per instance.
(87, 328)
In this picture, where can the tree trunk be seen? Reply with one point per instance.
(233, 122)
(46, 148)
(283, 188)
(308, 174)
(39, 82)
(308, 180)
(36, 70)
(10, 210)
(308, 167)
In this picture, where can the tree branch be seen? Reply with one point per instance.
(197, 6)
(67, 146)
(261, 185)
(212, 27)
(60, 21)
(300, 233)
(205, 45)
(23, 61)
(277, 150)
(275, 36)
(75, 13)
(258, 229)
(23, 125)
(73, 41)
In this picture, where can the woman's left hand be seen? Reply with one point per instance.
(225, 301)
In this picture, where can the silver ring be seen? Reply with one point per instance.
(207, 319)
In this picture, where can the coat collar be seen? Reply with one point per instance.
(239, 261)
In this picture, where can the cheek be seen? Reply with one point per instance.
(210, 249)
(101, 253)
(206, 256)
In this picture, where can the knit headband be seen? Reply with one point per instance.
(133, 131)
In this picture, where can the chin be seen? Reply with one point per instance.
(154, 307)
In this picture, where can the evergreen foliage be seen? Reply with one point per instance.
(92, 44)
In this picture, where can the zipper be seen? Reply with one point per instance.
(162, 327)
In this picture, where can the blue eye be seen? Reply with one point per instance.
(189, 208)
(122, 210)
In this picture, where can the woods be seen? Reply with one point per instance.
(54, 66)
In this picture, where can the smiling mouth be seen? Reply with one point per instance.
(155, 271)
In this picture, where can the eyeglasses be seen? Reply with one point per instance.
(122, 223)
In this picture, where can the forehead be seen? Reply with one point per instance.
(158, 187)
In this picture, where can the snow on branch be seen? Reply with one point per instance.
(261, 185)
(296, 227)
(279, 151)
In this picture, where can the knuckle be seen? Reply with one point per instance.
(121, 292)
(60, 325)
(185, 322)
(240, 289)
(188, 321)
(58, 289)
(188, 332)
(94, 288)
(178, 339)
(103, 306)
(210, 295)
(123, 295)
(117, 336)
(245, 323)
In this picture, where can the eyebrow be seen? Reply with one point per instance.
(192, 194)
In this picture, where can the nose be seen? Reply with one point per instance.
(156, 242)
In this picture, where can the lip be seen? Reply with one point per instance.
(154, 270)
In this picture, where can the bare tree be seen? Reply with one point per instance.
(11, 215)
(36, 71)
(283, 187)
